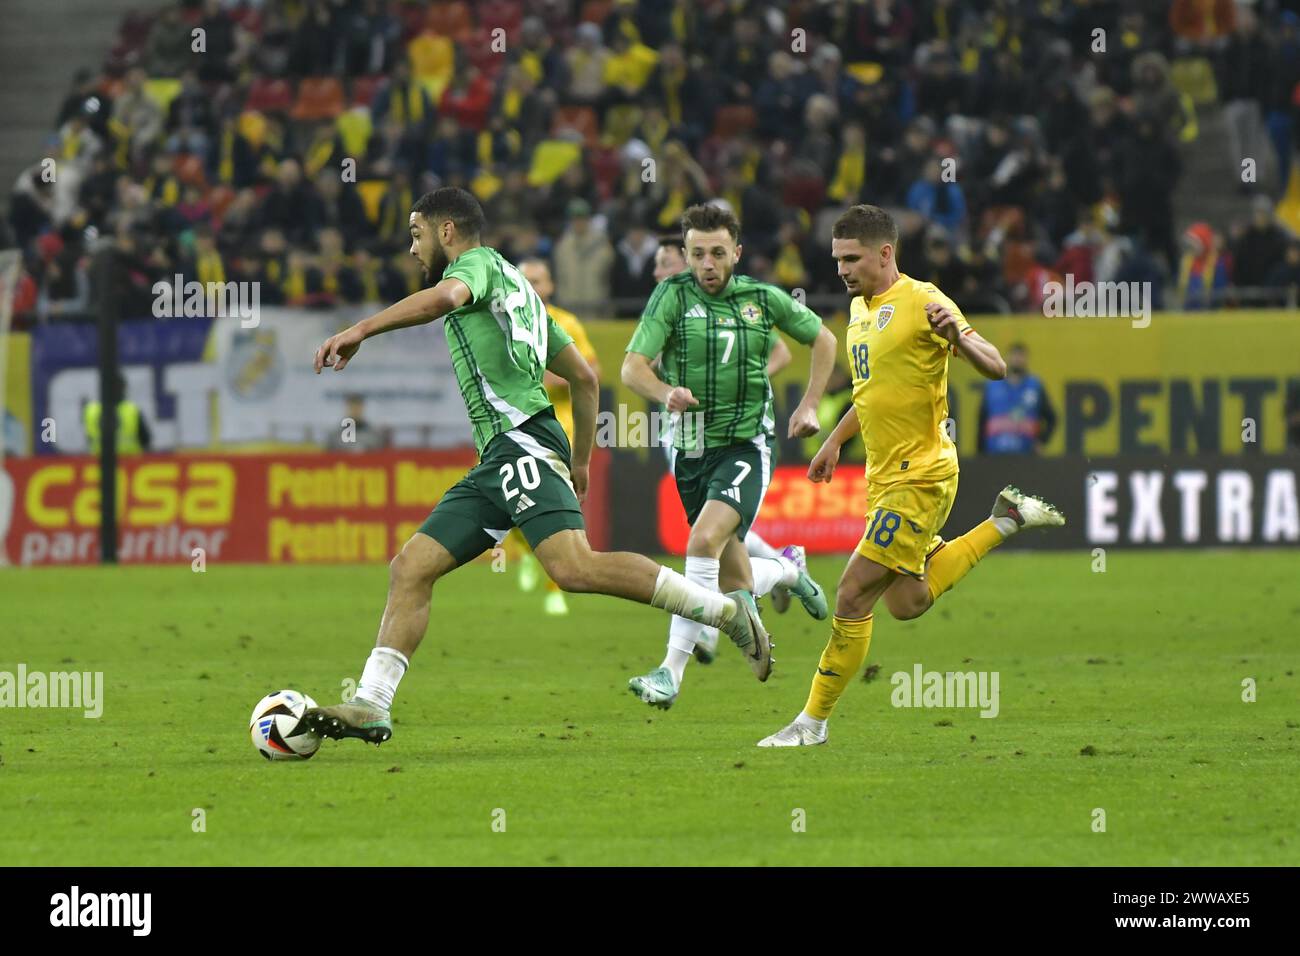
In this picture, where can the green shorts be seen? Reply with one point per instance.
(521, 480)
(737, 474)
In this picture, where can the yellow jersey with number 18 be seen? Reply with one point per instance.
(900, 382)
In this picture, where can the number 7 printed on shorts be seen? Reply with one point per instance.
(734, 491)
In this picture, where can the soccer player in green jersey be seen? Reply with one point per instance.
(713, 327)
(501, 340)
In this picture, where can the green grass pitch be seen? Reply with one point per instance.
(504, 709)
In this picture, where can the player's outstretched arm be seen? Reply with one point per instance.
(803, 421)
(983, 354)
(416, 309)
(584, 390)
(822, 467)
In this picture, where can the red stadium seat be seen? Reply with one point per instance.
(480, 52)
(731, 121)
(364, 89)
(267, 95)
(319, 97)
(450, 20)
(501, 13)
(581, 119)
(596, 11)
(804, 190)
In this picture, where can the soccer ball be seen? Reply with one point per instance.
(277, 727)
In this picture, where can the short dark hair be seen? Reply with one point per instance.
(708, 217)
(670, 242)
(870, 225)
(456, 204)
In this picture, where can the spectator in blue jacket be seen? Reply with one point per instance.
(1016, 416)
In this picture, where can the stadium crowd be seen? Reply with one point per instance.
(284, 141)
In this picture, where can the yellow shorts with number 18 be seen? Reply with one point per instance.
(903, 522)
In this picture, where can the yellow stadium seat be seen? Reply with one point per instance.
(372, 193)
(162, 91)
(550, 159)
(433, 58)
(354, 128)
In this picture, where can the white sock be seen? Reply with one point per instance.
(758, 548)
(769, 572)
(812, 723)
(675, 661)
(384, 669)
(1006, 525)
(676, 595)
(683, 632)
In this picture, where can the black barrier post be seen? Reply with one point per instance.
(105, 274)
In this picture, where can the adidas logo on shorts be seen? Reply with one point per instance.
(732, 493)
(524, 503)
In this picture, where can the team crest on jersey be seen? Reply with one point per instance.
(883, 316)
(750, 312)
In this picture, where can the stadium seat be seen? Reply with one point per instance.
(354, 128)
(550, 159)
(433, 58)
(219, 199)
(189, 170)
(503, 13)
(268, 95)
(1194, 77)
(162, 91)
(319, 98)
(733, 120)
(596, 11)
(580, 119)
(450, 20)
(480, 53)
(372, 192)
(804, 189)
(364, 89)
(606, 162)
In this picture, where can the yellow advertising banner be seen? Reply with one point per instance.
(16, 408)
(1193, 383)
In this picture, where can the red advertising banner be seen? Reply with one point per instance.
(824, 518)
(292, 508)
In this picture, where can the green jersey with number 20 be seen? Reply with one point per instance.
(717, 346)
(501, 341)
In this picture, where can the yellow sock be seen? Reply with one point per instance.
(951, 562)
(843, 656)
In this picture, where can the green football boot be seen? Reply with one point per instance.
(656, 688)
(808, 591)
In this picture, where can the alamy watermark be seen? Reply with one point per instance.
(214, 300)
(76, 689)
(1098, 300)
(129, 910)
(922, 688)
(632, 428)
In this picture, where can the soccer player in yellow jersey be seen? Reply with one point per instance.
(901, 332)
(538, 274)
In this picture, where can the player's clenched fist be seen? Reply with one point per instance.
(942, 321)
(803, 422)
(680, 399)
(339, 349)
(823, 464)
